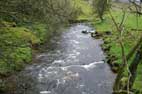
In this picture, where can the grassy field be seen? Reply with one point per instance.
(130, 36)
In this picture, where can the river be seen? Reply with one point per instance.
(73, 63)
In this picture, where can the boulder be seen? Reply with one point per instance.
(85, 31)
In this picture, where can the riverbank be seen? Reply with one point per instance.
(111, 45)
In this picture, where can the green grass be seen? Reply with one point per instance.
(138, 81)
(107, 24)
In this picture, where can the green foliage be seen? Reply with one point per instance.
(49, 11)
(86, 10)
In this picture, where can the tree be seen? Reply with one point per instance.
(45, 10)
(101, 6)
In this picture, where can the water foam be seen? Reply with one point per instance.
(45, 92)
(74, 41)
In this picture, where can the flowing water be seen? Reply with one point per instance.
(73, 63)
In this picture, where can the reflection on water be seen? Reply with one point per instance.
(75, 65)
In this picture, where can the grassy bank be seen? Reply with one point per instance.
(130, 36)
(17, 43)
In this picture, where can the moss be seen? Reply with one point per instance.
(16, 48)
(20, 55)
(4, 69)
(40, 30)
